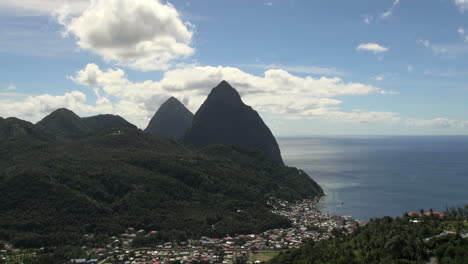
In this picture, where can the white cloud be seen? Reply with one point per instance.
(368, 19)
(390, 11)
(462, 5)
(445, 50)
(113, 81)
(385, 76)
(34, 108)
(438, 123)
(463, 34)
(372, 47)
(11, 87)
(42, 7)
(277, 91)
(409, 68)
(268, 3)
(314, 70)
(436, 49)
(140, 34)
(389, 92)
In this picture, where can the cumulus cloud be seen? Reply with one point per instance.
(277, 91)
(462, 5)
(372, 47)
(34, 108)
(113, 81)
(140, 34)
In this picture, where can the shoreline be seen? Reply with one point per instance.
(307, 223)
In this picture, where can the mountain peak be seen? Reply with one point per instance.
(224, 93)
(224, 119)
(171, 120)
(224, 84)
(102, 123)
(172, 102)
(172, 99)
(63, 112)
(64, 123)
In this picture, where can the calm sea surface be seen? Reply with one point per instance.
(377, 176)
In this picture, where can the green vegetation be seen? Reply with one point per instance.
(46, 256)
(55, 191)
(388, 240)
(64, 124)
(262, 256)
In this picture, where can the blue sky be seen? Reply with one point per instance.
(309, 67)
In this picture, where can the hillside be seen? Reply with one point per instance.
(171, 120)
(65, 124)
(224, 119)
(105, 183)
(14, 129)
(414, 239)
(18, 137)
(101, 123)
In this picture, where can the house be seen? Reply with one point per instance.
(77, 261)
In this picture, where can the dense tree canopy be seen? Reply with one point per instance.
(54, 191)
(388, 240)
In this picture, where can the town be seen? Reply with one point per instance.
(307, 223)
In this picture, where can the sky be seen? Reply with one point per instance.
(310, 67)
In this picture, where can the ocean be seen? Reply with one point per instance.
(368, 177)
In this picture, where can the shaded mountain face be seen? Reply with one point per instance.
(12, 129)
(65, 124)
(224, 119)
(171, 120)
(101, 123)
(18, 137)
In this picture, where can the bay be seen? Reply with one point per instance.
(377, 176)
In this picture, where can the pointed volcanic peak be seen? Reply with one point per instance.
(63, 123)
(102, 123)
(224, 119)
(171, 120)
